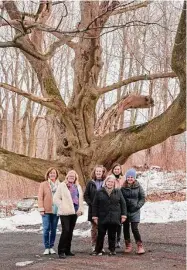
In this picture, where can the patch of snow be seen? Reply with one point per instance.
(153, 181)
(23, 263)
(84, 217)
(163, 212)
(82, 233)
(20, 219)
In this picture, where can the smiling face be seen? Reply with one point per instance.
(130, 179)
(52, 175)
(110, 183)
(98, 172)
(71, 177)
(117, 170)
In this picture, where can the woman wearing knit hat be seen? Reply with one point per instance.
(108, 211)
(134, 196)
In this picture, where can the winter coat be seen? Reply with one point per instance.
(135, 199)
(63, 200)
(89, 195)
(109, 209)
(45, 198)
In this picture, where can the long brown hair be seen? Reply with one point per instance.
(93, 176)
(115, 165)
(49, 170)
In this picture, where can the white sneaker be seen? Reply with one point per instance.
(46, 252)
(52, 251)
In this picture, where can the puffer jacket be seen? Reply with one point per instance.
(89, 195)
(135, 198)
(109, 209)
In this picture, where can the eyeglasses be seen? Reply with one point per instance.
(130, 177)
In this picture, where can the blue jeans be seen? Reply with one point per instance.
(50, 222)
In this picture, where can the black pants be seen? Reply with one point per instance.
(102, 229)
(134, 228)
(68, 225)
(118, 233)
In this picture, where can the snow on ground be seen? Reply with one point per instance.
(151, 212)
(19, 219)
(153, 181)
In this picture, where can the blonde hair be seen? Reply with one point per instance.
(111, 176)
(49, 170)
(76, 182)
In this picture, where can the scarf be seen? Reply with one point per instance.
(108, 190)
(53, 187)
(74, 194)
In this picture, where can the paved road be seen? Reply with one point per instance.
(164, 243)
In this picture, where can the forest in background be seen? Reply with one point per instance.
(136, 41)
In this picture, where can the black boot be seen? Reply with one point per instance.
(62, 256)
(69, 253)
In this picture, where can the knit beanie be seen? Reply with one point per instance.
(131, 172)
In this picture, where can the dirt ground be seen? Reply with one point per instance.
(164, 243)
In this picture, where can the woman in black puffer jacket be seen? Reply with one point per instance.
(134, 196)
(108, 211)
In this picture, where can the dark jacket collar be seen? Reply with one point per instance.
(134, 185)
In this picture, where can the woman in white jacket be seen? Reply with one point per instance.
(69, 200)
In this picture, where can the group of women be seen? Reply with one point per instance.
(114, 201)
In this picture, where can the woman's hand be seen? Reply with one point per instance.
(95, 219)
(42, 213)
(79, 213)
(123, 218)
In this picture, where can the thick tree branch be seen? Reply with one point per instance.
(180, 129)
(178, 61)
(136, 79)
(32, 168)
(51, 103)
(109, 119)
(121, 144)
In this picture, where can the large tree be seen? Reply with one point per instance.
(84, 140)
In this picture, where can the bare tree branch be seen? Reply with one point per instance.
(108, 120)
(7, 44)
(57, 3)
(136, 79)
(47, 102)
(130, 8)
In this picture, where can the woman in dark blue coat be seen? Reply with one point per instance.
(108, 211)
(134, 196)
